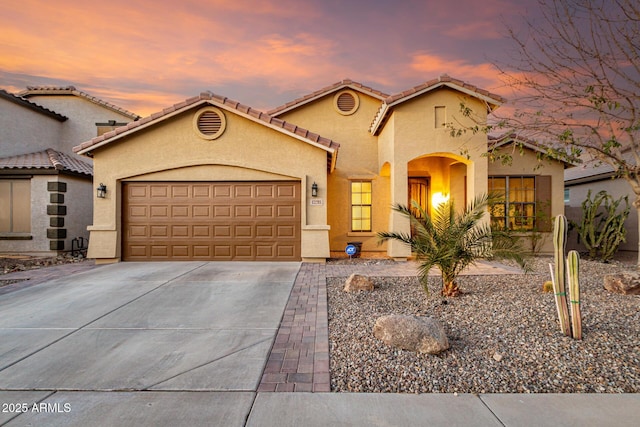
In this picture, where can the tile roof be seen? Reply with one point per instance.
(47, 159)
(510, 138)
(223, 102)
(31, 105)
(71, 90)
(346, 83)
(493, 100)
(588, 172)
(444, 80)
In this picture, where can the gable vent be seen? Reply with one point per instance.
(209, 123)
(346, 102)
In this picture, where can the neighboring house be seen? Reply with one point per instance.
(210, 178)
(597, 177)
(46, 189)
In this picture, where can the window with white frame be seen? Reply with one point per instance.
(361, 206)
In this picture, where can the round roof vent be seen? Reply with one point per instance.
(346, 102)
(209, 123)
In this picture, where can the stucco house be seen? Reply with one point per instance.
(212, 179)
(45, 188)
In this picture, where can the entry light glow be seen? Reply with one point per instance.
(439, 198)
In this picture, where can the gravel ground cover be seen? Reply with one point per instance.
(504, 337)
(16, 263)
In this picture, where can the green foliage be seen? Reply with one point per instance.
(602, 228)
(452, 241)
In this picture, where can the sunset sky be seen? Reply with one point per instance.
(146, 55)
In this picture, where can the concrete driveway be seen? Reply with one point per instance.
(173, 343)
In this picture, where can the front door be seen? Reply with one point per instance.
(419, 192)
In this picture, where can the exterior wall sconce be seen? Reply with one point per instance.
(101, 191)
(314, 190)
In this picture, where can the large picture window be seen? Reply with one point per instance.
(361, 206)
(15, 206)
(524, 202)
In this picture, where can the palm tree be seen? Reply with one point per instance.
(451, 242)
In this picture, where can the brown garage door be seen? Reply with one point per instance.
(211, 221)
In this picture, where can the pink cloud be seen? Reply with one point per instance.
(483, 75)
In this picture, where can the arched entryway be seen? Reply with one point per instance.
(436, 178)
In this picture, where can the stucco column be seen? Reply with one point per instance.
(397, 221)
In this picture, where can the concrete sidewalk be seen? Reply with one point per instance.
(115, 346)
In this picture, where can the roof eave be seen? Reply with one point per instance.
(510, 140)
(345, 84)
(150, 121)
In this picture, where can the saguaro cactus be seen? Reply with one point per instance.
(558, 275)
(573, 279)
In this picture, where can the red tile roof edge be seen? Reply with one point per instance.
(47, 159)
(509, 138)
(32, 105)
(392, 100)
(71, 90)
(222, 101)
(443, 79)
(327, 90)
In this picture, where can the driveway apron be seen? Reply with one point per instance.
(179, 327)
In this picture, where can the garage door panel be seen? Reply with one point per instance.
(180, 251)
(286, 211)
(221, 231)
(137, 191)
(159, 211)
(201, 191)
(200, 211)
(222, 190)
(243, 190)
(212, 221)
(138, 231)
(265, 211)
(181, 191)
(243, 251)
(243, 211)
(161, 251)
(222, 251)
(265, 252)
(202, 251)
(265, 230)
(265, 191)
(285, 231)
(159, 191)
(243, 231)
(139, 251)
(180, 211)
(222, 212)
(287, 191)
(285, 251)
(200, 231)
(179, 231)
(159, 231)
(138, 211)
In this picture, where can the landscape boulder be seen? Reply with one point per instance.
(413, 333)
(355, 282)
(626, 283)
